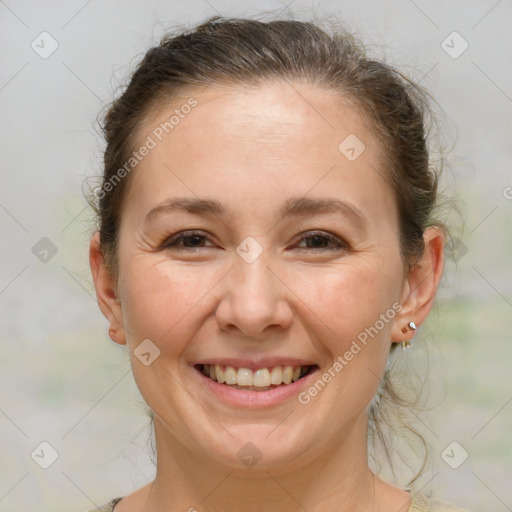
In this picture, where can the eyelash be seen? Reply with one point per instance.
(172, 242)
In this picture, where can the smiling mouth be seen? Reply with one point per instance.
(262, 379)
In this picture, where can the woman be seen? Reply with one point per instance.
(265, 241)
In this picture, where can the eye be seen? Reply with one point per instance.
(320, 241)
(316, 241)
(185, 240)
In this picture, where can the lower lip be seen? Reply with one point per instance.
(255, 399)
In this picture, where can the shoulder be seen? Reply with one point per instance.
(420, 503)
(108, 507)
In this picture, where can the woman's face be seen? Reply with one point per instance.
(282, 249)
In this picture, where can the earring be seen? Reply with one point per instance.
(411, 326)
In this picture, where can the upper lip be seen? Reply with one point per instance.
(255, 364)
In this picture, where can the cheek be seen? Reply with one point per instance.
(350, 297)
(162, 298)
(355, 306)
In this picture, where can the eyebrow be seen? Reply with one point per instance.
(295, 207)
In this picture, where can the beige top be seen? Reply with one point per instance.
(418, 504)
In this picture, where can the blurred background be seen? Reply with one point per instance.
(73, 432)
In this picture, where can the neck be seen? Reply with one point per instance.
(337, 479)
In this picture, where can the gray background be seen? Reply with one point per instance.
(63, 381)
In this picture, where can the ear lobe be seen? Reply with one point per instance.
(105, 286)
(421, 286)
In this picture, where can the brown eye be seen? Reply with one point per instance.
(186, 240)
(320, 241)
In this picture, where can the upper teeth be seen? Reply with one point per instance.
(260, 378)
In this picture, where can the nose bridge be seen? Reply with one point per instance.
(253, 298)
(252, 278)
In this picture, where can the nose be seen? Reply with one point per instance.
(254, 300)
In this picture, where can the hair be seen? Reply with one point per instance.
(234, 51)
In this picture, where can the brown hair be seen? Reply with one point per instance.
(243, 51)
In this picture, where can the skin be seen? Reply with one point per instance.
(252, 149)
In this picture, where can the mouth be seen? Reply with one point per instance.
(261, 379)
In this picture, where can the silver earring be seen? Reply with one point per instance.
(411, 326)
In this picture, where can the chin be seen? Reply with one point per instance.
(254, 448)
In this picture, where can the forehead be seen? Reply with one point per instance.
(275, 112)
(272, 139)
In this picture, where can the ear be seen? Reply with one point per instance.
(105, 286)
(420, 286)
